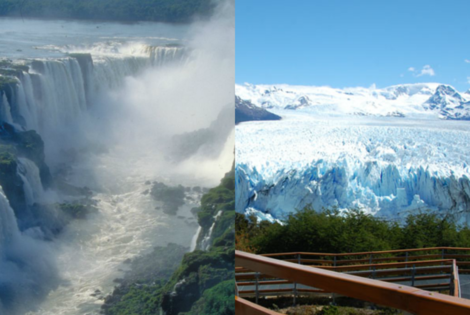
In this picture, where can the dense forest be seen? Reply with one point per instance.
(174, 11)
(332, 232)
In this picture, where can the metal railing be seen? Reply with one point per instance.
(407, 298)
(405, 255)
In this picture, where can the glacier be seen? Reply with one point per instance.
(325, 155)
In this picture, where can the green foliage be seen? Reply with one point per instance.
(219, 300)
(219, 198)
(119, 10)
(77, 210)
(137, 300)
(355, 231)
(330, 310)
(141, 289)
(204, 282)
(10, 182)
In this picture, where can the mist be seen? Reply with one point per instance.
(172, 123)
(139, 121)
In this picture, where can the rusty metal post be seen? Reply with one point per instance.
(452, 280)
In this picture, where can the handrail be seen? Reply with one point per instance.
(371, 252)
(397, 296)
(245, 307)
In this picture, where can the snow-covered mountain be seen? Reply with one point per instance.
(390, 151)
(414, 100)
(246, 111)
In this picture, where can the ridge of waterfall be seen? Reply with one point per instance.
(56, 92)
(32, 185)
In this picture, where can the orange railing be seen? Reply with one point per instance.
(407, 298)
(405, 255)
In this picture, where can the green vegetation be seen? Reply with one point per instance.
(139, 292)
(337, 310)
(204, 280)
(77, 210)
(10, 182)
(15, 144)
(201, 283)
(321, 305)
(174, 11)
(217, 300)
(220, 198)
(330, 232)
(30, 145)
(9, 72)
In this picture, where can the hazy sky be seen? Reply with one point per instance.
(344, 43)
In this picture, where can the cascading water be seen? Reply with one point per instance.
(206, 241)
(27, 270)
(32, 185)
(72, 96)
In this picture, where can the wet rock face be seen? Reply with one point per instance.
(171, 196)
(15, 145)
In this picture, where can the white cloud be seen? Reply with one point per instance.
(467, 61)
(427, 70)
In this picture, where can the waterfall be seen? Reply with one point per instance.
(5, 109)
(57, 92)
(32, 185)
(28, 268)
(163, 55)
(194, 239)
(8, 225)
(205, 243)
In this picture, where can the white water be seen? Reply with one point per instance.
(32, 185)
(23, 261)
(87, 124)
(205, 243)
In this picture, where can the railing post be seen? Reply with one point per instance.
(406, 259)
(370, 260)
(413, 273)
(334, 261)
(298, 259)
(452, 280)
(257, 286)
(374, 274)
(295, 293)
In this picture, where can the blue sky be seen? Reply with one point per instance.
(353, 43)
